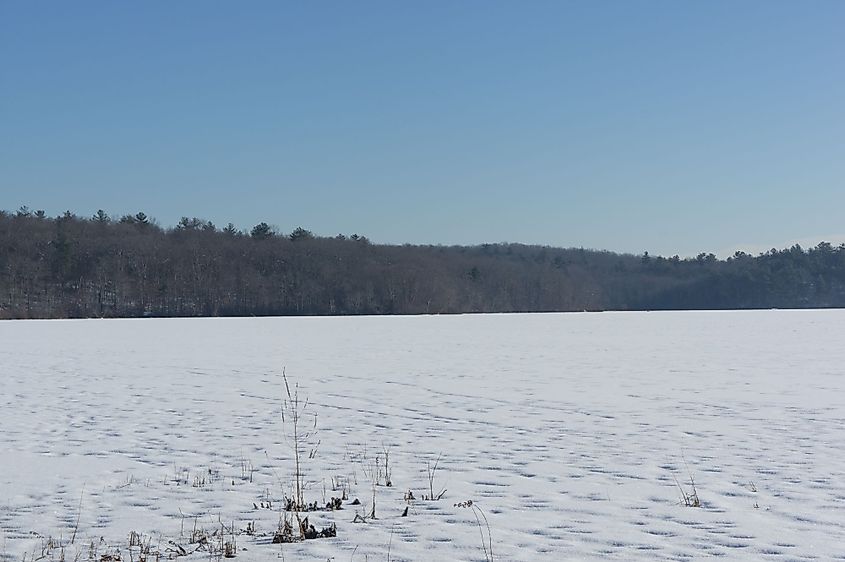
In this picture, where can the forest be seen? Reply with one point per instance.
(101, 266)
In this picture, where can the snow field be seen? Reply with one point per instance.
(568, 431)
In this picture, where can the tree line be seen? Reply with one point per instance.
(129, 266)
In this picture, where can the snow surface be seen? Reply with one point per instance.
(568, 430)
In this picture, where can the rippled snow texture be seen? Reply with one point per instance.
(568, 430)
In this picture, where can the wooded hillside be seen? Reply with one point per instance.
(128, 267)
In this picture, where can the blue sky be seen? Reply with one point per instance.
(672, 127)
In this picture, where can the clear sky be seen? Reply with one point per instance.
(672, 127)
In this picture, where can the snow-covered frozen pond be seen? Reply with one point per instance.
(569, 432)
